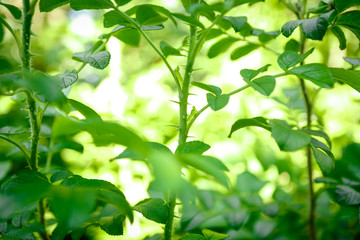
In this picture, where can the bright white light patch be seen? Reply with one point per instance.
(83, 25)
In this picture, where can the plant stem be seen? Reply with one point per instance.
(11, 30)
(18, 146)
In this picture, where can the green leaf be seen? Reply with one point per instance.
(49, 5)
(8, 131)
(243, 51)
(314, 28)
(233, 3)
(249, 74)
(59, 174)
(67, 79)
(263, 228)
(341, 5)
(318, 134)
(207, 87)
(326, 180)
(146, 15)
(315, 72)
(87, 112)
(5, 167)
(339, 34)
(189, 20)
(350, 77)
(346, 195)
(1, 33)
(350, 20)
(207, 164)
(325, 162)
(247, 122)
(154, 209)
(217, 102)
(195, 147)
(286, 138)
(122, 2)
(289, 59)
(168, 50)
(98, 60)
(211, 235)
(113, 225)
(129, 36)
(352, 61)
(289, 27)
(15, 11)
(247, 182)
(112, 18)
(292, 45)
(221, 46)
(267, 36)
(93, 4)
(193, 237)
(237, 23)
(264, 85)
(67, 145)
(271, 209)
(236, 218)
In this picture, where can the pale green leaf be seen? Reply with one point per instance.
(247, 122)
(217, 102)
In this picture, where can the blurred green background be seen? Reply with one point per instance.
(137, 90)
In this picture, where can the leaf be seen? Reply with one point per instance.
(15, 11)
(67, 145)
(220, 46)
(193, 237)
(325, 162)
(59, 174)
(289, 27)
(67, 79)
(315, 72)
(87, 112)
(8, 131)
(314, 28)
(292, 45)
(326, 180)
(341, 5)
(249, 74)
(49, 5)
(122, 2)
(195, 147)
(289, 59)
(350, 20)
(350, 77)
(113, 225)
(93, 4)
(247, 182)
(98, 60)
(247, 122)
(207, 87)
(352, 61)
(5, 167)
(146, 15)
(1, 34)
(234, 3)
(211, 235)
(168, 50)
(128, 36)
(264, 85)
(346, 195)
(263, 228)
(186, 3)
(217, 102)
(286, 138)
(236, 218)
(271, 209)
(112, 18)
(267, 36)
(339, 34)
(318, 134)
(207, 164)
(189, 20)
(243, 51)
(154, 209)
(237, 23)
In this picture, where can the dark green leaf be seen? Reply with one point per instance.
(168, 50)
(353, 61)
(289, 59)
(113, 225)
(233, 3)
(122, 2)
(243, 51)
(289, 27)
(247, 122)
(314, 28)
(67, 79)
(189, 20)
(341, 5)
(315, 72)
(347, 196)
(113, 18)
(93, 4)
(350, 77)
(326, 180)
(247, 182)
(221, 46)
(207, 87)
(195, 147)
(15, 11)
(264, 85)
(292, 45)
(318, 134)
(340, 36)
(237, 23)
(67, 145)
(351, 21)
(267, 36)
(325, 162)
(249, 74)
(217, 102)
(286, 138)
(60, 174)
(49, 5)
(1, 33)
(211, 235)
(128, 36)
(154, 209)
(146, 15)
(213, 33)
(87, 112)
(98, 60)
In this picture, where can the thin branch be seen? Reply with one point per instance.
(18, 146)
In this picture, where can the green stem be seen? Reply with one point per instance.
(18, 146)
(15, 36)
